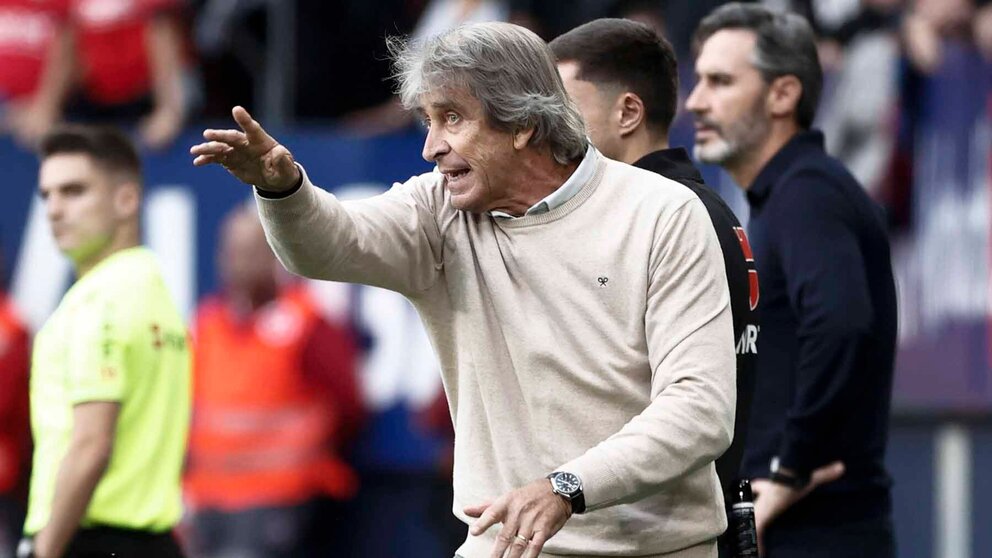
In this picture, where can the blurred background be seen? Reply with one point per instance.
(907, 106)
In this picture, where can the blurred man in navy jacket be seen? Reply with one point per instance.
(819, 419)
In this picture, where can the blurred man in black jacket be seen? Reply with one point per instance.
(819, 425)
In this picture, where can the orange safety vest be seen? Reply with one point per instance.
(261, 432)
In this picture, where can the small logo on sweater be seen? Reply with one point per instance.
(603, 281)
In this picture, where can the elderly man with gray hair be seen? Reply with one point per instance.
(578, 306)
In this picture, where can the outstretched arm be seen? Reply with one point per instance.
(390, 241)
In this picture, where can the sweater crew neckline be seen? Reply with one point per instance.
(564, 209)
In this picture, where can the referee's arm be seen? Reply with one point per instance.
(94, 425)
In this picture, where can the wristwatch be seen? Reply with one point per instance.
(791, 479)
(569, 487)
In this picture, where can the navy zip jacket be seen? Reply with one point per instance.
(828, 331)
(742, 278)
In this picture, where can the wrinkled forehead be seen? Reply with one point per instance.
(447, 97)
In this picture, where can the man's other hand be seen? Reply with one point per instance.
(772, 498)
(530, 516)
(250, 154)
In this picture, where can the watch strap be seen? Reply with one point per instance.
(794, 482)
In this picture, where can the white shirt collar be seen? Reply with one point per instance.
(582, 175)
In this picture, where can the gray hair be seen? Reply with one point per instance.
(785, 45)
(509, 69)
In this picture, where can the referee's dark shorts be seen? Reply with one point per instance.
(113, 542)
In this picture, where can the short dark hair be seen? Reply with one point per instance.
(628, 54)
(107, 146)
(785, 45)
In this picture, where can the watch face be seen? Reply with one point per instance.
(567, 483)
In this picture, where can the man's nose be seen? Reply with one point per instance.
(53, 208)
(695, 103)
(434, 146)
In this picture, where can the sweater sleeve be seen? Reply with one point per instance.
(689, 331)
(828, 292)
(390, 241)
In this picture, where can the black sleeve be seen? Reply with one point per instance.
(814, 233)
(736, 256)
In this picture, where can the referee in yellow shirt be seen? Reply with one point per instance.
(110, 376)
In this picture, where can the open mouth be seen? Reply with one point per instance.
(456, 175)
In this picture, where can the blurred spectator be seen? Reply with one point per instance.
(942, 42)
(928, 23)
(403, 456)
(550, 18)
(858, 116)
(333, 49)
(131, 65)
(649, 12)
(36, 57)
(107, 60)
(673, 19)
(341, 60)
(439, 16)
(275, 400)
(15, 431)
(982, 29)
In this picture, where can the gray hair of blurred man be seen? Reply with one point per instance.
(785, 45)
(508, 68)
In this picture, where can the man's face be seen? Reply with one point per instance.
(81, 202)
(244, 259)
(728, 101)
(598, 107)
(478, 161)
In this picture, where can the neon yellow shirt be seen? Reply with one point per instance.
(116, 336)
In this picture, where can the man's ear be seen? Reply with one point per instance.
(784, 95)
(632, 113)
(127, 198)
(521, 138)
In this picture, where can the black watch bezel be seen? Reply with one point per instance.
(576, 499)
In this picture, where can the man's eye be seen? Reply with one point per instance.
(452, 118)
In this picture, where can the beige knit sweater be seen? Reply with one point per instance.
(595, 338)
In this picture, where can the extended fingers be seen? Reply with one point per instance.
(523, 538)
(518, 545)
(536, 545)
(492, 516)
(476, 511)
(827, 473)
(253, 130)
(503, 540)
(206, 160)
(230, 137)
(211, 148)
